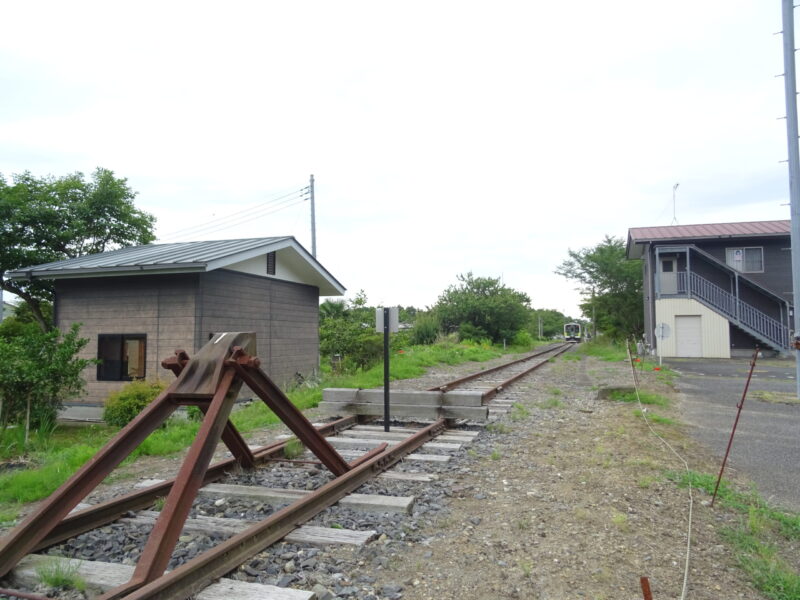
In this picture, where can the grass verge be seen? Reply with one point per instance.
(54, 459)
(760, 538)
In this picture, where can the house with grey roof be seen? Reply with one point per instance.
(715, 290)
(139, 305)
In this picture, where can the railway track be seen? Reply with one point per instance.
(279, 521)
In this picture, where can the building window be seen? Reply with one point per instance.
(270, 263)
(746, 260)
(121, 355)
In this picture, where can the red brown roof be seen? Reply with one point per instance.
(638, 235)
(710, 230)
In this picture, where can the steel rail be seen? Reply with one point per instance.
(491, 393)
(106, 512)
(456, 382)
(199, 572)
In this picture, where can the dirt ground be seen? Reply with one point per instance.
(566, 499)
(572, 502)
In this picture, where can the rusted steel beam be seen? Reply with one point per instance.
(162, 539)
(234, 442)
(52, 511)
(247, 369)
(199, 572)
(23, 595)
(456, 382)
(108, 511)
(489, 394)
(365, 457)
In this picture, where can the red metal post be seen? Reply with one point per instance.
(645, 583)
(735, 423)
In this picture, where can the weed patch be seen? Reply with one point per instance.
(645, 397)
(654, 418)
(61, 574)
(758, 538)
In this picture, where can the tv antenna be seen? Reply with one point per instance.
(674, 218)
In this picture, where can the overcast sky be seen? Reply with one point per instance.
(445, 137)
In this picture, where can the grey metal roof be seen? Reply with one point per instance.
(180, 257)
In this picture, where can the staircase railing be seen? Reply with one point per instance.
(735, 309)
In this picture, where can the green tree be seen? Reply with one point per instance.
(482, 307)
(38, 372)
(48, 219)
(347, 329)
(552, 322)
(611, 286)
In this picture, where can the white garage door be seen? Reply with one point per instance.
(688, 336)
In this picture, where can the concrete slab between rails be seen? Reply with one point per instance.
(103, 576)
(306, 534)
(473, 413)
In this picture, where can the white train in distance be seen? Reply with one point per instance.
(572, 332)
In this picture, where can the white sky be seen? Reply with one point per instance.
(445, 137)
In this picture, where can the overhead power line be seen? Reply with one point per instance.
(233, 219)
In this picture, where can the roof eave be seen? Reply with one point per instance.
(30, 274)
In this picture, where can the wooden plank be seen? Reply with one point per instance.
(196, 525)
(416, 456)
(380, 428)
(392, 435)
(306, 534)
(371, 502)
(328, 536)
(403, 476)
(103, 576)
(347, 442)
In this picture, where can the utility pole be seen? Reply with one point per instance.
(790, 87)
(313, 218)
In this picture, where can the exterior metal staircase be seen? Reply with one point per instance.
(751, 320)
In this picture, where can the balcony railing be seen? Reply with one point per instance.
(735, 309)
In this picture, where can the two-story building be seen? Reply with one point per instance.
(715, 290)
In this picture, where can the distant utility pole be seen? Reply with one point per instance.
(313, 218)
(790, 88)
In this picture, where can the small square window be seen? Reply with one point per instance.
(122, 356)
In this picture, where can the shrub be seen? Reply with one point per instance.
(468, 331)
(426, 328)
(522, 339)
(123, 405)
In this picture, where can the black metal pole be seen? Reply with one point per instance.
(385, 369)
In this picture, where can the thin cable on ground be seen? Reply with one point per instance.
(643, 411)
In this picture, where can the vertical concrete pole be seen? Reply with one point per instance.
(790, 87)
